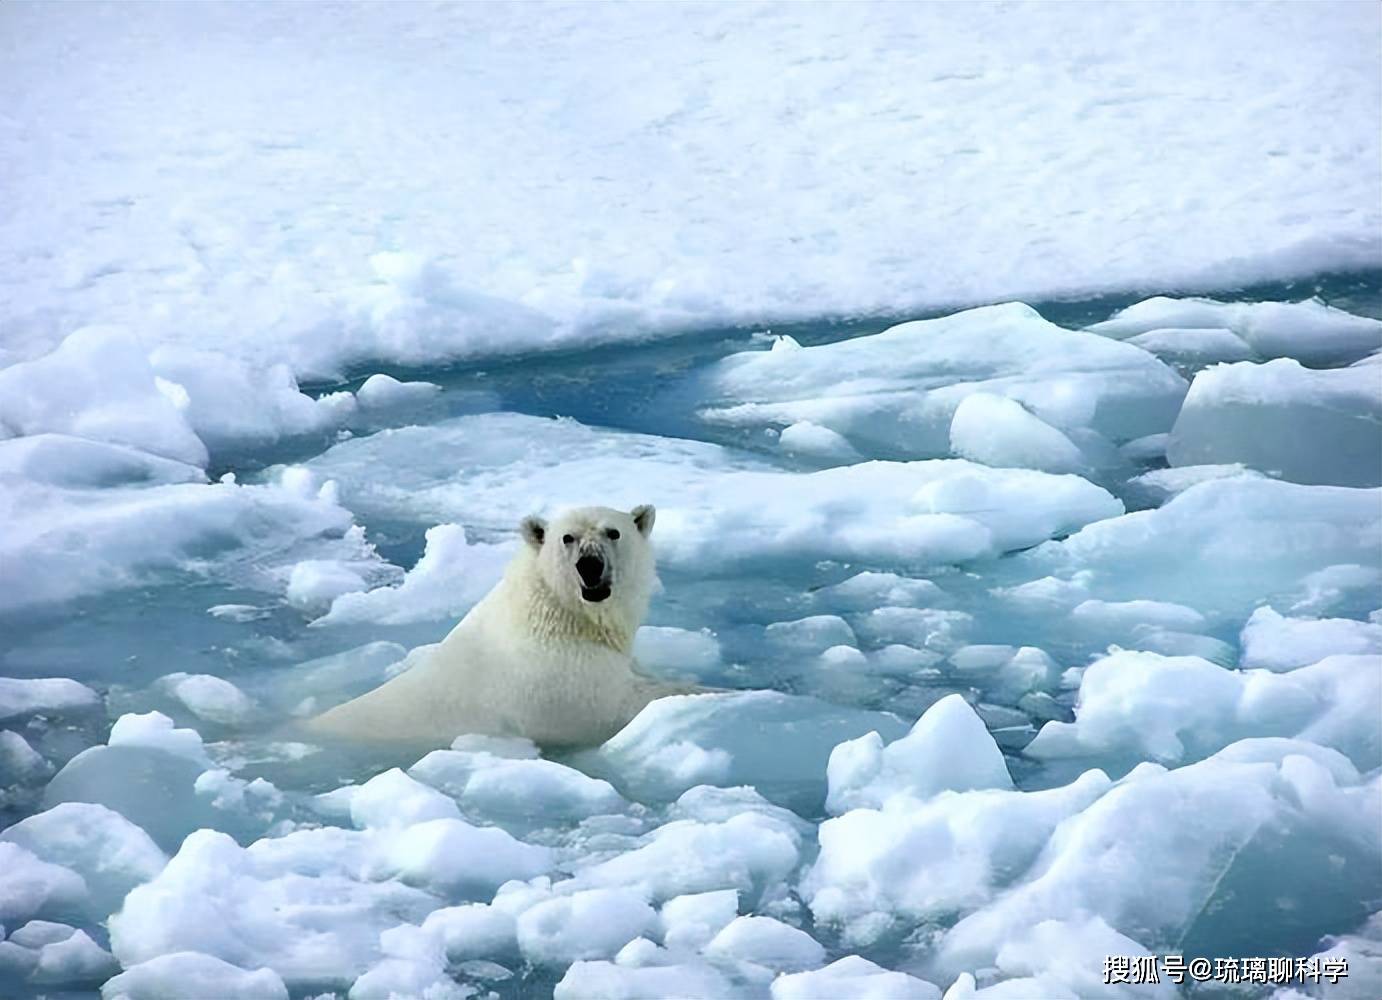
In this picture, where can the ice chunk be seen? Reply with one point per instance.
(315, 583)
(211, 698)
(776, 742)
(996, 430)
(932, 628)
(1256, 828)
(1194, 346)
(1067, 957)
(172, 976)
(294, 907)
(18, 761)
(947, 749)
(132, 536)
(383, 391)
(607, 981)
(393, 799)
(594, 923)
(155, 730)
(1124, 616)
(75, 959)
(768, 942)
(1261, 536)
(453, 858)
(716, 508)
(814, 441)
(450, 577)
(854, 977)
(923, 861)
(750, 852)
(97, 384)
(472, 931)
(894, 394)
(150, 787)
(21, 697)
(1138, 705)
(1362, 950)
(37, 933)
(1309, 331)
(1279, 643)
(30, 887)
(236, 406)
(501, 788)
(868, 590)
(690, 921)
(110, 853)
(811, 635)
(1274, 417)
(1005, 672)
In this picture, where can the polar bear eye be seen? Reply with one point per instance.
(567, 539)
(612, 534)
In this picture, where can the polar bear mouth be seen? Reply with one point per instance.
(595, 594)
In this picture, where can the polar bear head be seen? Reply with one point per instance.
(596, 561)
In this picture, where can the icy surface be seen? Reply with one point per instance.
(1029, 634)
(267, 222)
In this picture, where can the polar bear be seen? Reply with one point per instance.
(547, 654)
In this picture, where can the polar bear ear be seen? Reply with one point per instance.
(534, 530)
(643, 516)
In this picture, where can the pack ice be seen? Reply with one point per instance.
(1031, 635)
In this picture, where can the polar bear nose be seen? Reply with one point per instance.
(591, 569)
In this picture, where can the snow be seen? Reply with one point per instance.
(1273, 417)
(661, 157)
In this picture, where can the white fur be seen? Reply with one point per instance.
(534, 658)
